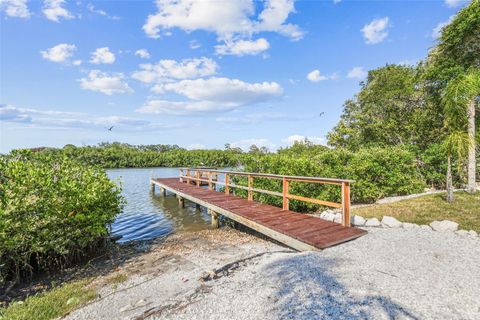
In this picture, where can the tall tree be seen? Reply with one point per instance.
(453, 69)
(456, 143)
(460, 102)
(390, 109)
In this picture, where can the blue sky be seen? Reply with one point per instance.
(196, 74)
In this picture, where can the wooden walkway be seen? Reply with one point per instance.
(297, 230)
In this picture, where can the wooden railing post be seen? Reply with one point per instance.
(210, 184)
(197, 175)
(250, 187)
(180, 174)
(346, 204)
(285, 194)
(227, 181)
(188, 175)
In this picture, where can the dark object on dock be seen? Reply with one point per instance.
(297, 230)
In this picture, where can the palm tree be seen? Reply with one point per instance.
(456, 142)
(459, 102)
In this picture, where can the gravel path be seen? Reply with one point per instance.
(387, 274)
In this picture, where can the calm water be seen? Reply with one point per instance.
(147, 216)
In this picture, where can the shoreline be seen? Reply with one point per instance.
(226, 273)
(230, 274)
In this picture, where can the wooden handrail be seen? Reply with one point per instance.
(274, 176)
(285, 194)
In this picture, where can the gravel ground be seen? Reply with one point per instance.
(387, 274)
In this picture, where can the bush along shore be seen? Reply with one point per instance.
(53, 211)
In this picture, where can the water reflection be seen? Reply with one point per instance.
(186, 219)
(147, 216)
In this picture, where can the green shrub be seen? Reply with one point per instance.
(118, 155)
(378, 172)
(51, 210)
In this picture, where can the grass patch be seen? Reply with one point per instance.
(465, 210)
(51, 304)
(117, 279)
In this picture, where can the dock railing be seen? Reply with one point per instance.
(202, 176)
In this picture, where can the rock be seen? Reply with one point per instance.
(372, 222)
(324, 214)
(391, 222)
(357, 220)
(141, 303)
(473, 233)
(329, 216)
(338, 218)
(126, 308)
(444, 226)
(426, 227)
(462, 232)
(407, 225)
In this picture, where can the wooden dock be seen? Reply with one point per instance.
(299, 231)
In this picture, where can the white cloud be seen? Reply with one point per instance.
(194, 44)
(77, 62)
(212, 95)
(156, 106)
(437, 31)
(299, 138)
(454, 3)
(409, 62)
(142, 53)
(259, 142)
(15, 8)
(196, 146)
(226, 91)
(60, 53)
(54, 10)
(92, 9)
(229, 20)
(105, 83)
(242, 47)
(376, 31)
(315, 76)
(59, 119)
(336, 1)
(11, 114)
(357, 73)
(166, 70)
(102, 55)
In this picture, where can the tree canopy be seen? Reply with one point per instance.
(390, 109)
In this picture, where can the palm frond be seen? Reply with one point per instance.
(457, 143)
(458, 93)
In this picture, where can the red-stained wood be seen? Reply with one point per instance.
(307, 229)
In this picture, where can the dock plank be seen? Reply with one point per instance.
(299, 231)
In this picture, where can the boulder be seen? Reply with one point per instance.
(473, 233)
(444, 226)
(407, 225)
(357, 220)
(338, 218)
(324, 214)
(372, 222)
(329, 216)
(391, 222)
(426, 227)
(462, 232)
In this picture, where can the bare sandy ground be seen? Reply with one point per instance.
(226, 274)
